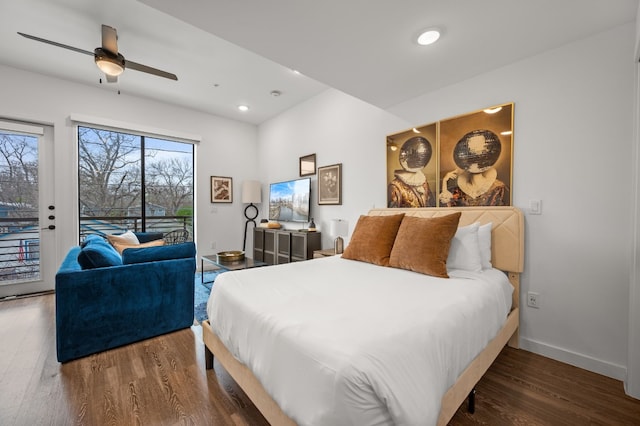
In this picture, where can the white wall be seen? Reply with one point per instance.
(572, 150)
(228, 148)
(632, 384)
(572, 145)
(339, 129)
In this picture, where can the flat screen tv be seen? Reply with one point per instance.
(290, 201)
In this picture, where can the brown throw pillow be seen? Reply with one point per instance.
(422, 244)
(123, 246)
(373, 239)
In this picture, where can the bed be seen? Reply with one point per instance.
(305, 355)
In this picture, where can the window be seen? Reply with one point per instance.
(133, 182)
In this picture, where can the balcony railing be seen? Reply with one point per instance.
(106, 225)
(20, 239)
(19, 249)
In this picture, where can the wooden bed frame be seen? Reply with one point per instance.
(507, 255)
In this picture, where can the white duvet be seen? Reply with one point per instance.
(341, 342)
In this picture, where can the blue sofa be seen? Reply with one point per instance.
(120, 299)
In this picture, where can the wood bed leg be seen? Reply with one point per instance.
(208, 358)
(472, 401)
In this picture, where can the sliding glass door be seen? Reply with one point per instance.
(133, 182)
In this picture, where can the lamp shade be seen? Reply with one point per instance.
(251, 192)
(338, 228)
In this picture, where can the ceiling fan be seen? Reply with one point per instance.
(107, 57)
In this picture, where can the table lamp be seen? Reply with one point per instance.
(338, 228)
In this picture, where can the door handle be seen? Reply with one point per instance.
(51, 227)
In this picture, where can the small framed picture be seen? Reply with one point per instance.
(221, 189)
(308, 165)
(330, 184)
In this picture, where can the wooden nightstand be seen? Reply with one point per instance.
(323, 253)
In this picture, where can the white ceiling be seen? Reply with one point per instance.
(365, 48)
(147, 36)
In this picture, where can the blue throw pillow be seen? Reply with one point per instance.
(98, 253)
(153, 254)
(91, 238)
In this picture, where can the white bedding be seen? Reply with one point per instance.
(341, 342)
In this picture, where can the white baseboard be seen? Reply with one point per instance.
(608, 369)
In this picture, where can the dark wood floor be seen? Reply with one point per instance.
(162, 381)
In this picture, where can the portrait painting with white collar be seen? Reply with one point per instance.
(476, 153)
(412, 167)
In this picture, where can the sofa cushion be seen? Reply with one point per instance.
(153, 254)
(98, 253)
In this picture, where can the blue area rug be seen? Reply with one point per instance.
(202, 294)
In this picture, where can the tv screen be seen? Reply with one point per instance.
(290, 201)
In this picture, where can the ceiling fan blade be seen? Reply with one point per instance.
(149, 70)
(111, 78)
(54, 43)
(109, 39)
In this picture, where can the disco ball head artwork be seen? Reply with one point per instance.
(477, 151)
(415, 154)
(410, 188)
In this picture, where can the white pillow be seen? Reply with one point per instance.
(484, 238)
(126, 238)
(464, 252)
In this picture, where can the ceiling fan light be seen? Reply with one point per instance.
(109, 63)
(110, 68)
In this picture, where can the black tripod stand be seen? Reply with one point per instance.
(249, 219)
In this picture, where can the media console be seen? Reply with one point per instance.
(276, 246)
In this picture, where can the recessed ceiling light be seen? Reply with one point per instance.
(415, 130)
(428, 37)
(243, 108)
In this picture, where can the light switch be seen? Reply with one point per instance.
(535, 206)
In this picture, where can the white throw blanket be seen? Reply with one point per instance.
(341, 342)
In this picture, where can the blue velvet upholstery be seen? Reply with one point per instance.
(145, 237)
(96, 252)
(152, 254)
(103, 308)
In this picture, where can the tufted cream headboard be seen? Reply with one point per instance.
(507, 235)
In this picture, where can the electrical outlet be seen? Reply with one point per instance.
(213, 244)
(533, 299)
